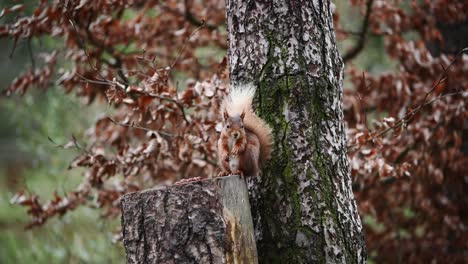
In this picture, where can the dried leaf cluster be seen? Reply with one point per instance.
(407, 149)
(128, 54)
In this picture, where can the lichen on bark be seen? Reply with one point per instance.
(303, 205)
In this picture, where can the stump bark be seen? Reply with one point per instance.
(198, 222)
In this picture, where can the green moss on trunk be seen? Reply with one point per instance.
(288, 49)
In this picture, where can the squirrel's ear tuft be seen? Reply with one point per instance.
(242, 115)
(225, 116)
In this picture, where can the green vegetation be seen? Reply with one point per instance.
(30, 162)
(80, 237)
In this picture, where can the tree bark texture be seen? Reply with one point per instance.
(198, 222)
(303, 206)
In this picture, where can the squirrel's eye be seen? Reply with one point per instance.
(242, 126)
(228, 126)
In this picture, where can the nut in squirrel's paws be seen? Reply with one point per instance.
(234, 151)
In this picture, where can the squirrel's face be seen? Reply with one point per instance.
(234, 125)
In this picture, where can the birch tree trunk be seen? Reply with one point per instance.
(303, 206)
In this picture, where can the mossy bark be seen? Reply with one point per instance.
(303, 206)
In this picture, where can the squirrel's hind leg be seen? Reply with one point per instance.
(251, 157)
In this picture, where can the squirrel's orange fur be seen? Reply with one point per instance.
(245, 141)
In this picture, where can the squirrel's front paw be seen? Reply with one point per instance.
(223, 173)
(235, 151)
(238, 172)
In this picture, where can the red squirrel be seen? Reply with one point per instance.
(245, 142)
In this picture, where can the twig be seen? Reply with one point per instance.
(349, 32)
(75, 144)
(409, 116)
(404, 120)
(182, 50)
(143, 58)
(357, 187)
(31, 55)
(132, 125)
(118, 64)
(13, 48)
(360, 99)
(106, 82)
(179, 105)
(189, 17)
(118, 61)
(353, 52)
(83, 47)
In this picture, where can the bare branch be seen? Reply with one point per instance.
(132, 125)
(81, 44)
(15, 42)
(182, 50)
(354, 51)
(189, 17)
(31, 54)
(358, 187)
(410, 115)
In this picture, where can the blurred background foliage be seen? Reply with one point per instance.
(30, 161)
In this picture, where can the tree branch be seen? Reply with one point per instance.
(353, 52)
(31, 54)
(118, 60)
(189, 17)
(410, 115)
(132, 125)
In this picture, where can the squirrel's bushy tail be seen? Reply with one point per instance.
(240, 100)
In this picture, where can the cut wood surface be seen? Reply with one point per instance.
(198, 222)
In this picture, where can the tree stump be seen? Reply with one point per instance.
(205, 221)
